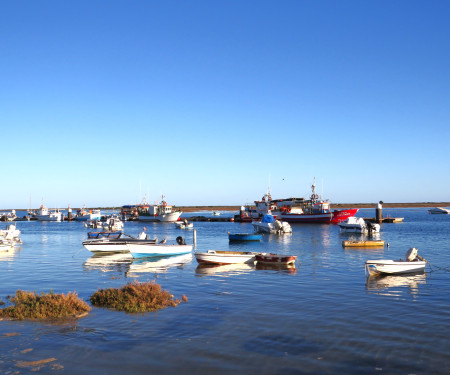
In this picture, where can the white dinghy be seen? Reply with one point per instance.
(413, 263)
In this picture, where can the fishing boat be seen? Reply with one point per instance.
(225, 257)
(413, 263)
(113, 242)
(45, 215)
(275, 258)
(367, 243)
(358, 225)
(269, 224)
(439, 210)
(143, 250)
(244, 236)
(83, 214)
(301, 210)
(158, 212)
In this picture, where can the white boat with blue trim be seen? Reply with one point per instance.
(141, 250)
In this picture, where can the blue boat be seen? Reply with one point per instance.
(244, 236)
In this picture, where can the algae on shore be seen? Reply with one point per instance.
(30, 305)
(135, 297)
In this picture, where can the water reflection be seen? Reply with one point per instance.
(109, 262)
(9, 254)
(360, 236)
(382, 284)
(288, 268)
(157, 264)
(232, 269)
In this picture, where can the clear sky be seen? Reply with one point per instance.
(209, 102)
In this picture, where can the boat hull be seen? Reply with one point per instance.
(225, 257)
(48, 217)
(369, 243)
(391, 267)
(169, 217)
(157, 250)
(332, 217)
(105, 245)
(267, 258)
(244, 237)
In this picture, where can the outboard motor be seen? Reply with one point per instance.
(180, 240)
(411, 254)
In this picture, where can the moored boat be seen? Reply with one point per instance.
(271, 258)
(45, 215)
(158, 212)
(269, 224)
(225, 257)
(112, 242)
(6, 246)
(413, 263)
(244, 236)
(367, 243)
(313, 210)
(143, 250)
(358, 225)
(439, 210)
(83, 214)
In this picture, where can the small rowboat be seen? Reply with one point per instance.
(225, 257)
(269, 258)
(412, 264)
(368, 243)
(244, 236)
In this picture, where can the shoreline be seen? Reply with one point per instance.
(236, 208)
(333, 205)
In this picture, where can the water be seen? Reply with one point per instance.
(325, 316)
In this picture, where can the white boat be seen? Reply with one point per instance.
(113, 242)
(225, 257)
(10, 216)
(6, 246)
(216, 213)
(143, 250)
(439, 210)
(93, 224)
(358, 225)
(83, 214)
(269, 224)
(113, 223)
(45, 215)
(158, 212)
(184, 224)
(412, 264)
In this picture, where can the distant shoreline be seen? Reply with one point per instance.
(333, 205)
(236, 208)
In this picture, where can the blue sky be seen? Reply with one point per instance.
(208, 102)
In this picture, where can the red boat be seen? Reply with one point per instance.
(313, 210)
(270, 258)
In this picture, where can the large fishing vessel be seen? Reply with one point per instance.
(301, 210)
(158, 212)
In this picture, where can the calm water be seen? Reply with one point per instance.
(323, 317)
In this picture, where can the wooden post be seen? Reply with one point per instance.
(379, 212)
(195, 236)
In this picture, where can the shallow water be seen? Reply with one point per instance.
(323, 316)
